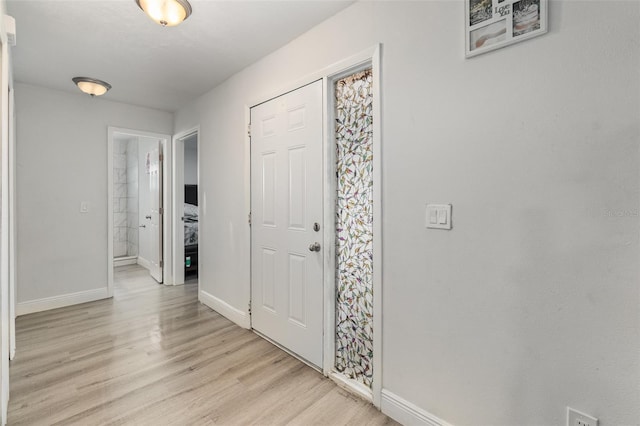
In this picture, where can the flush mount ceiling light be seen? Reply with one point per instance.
(91, 86)
(167, 13)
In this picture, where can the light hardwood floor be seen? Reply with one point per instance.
(153, 355)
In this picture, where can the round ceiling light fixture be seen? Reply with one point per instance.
(167, 13)
(91, 86)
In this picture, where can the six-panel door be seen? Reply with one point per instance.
(286, 205)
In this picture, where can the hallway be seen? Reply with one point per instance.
(153, 355)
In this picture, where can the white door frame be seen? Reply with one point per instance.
(369, 58)
(178, 202)
(13, 246)
(5, 316)
(166, 202)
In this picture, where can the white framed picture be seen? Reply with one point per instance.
(492, 24)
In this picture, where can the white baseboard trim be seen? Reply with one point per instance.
(223, 308)
(47, 303)
(352, 386)
(144, 262)
(125, 261)
(407, 413)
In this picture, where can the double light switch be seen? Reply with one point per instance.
(439, 216)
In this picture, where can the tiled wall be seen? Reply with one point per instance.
(354, 225)
(120, 198)
(132, 198)
(125, 198)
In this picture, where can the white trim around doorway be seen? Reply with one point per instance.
(167, 272)
(5, 225)
(369, 58)
(364, 60)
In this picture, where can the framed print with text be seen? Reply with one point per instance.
(492, 24)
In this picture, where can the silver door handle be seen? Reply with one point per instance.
(314, 247)
(143, 226)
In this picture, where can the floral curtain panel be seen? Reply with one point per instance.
(354, 307)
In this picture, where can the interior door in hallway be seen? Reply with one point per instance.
(286, 206)
(154, 164)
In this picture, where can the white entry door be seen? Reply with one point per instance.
(154, 158)
(286, 208)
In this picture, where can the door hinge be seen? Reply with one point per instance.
(249, 220)
(161, 157)
(249, 130)
(249, 308)
(161, 210)
(161, 263)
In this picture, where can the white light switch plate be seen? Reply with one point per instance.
(576, 418)
(439, 216)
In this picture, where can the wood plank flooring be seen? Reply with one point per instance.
(153, 355)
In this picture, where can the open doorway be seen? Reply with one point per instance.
(186, 207)
(138, 194)
(190, 213)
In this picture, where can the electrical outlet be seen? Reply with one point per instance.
(576, 418)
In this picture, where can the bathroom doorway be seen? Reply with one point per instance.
(137, 197)
(125, 200)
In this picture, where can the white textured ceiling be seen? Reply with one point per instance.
(147, 64)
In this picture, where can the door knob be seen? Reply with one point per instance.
(143, 226)
(147, 217)
(314, 247)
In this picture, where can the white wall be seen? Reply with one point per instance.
(191, 160)
(61, 161)
(530, 303)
